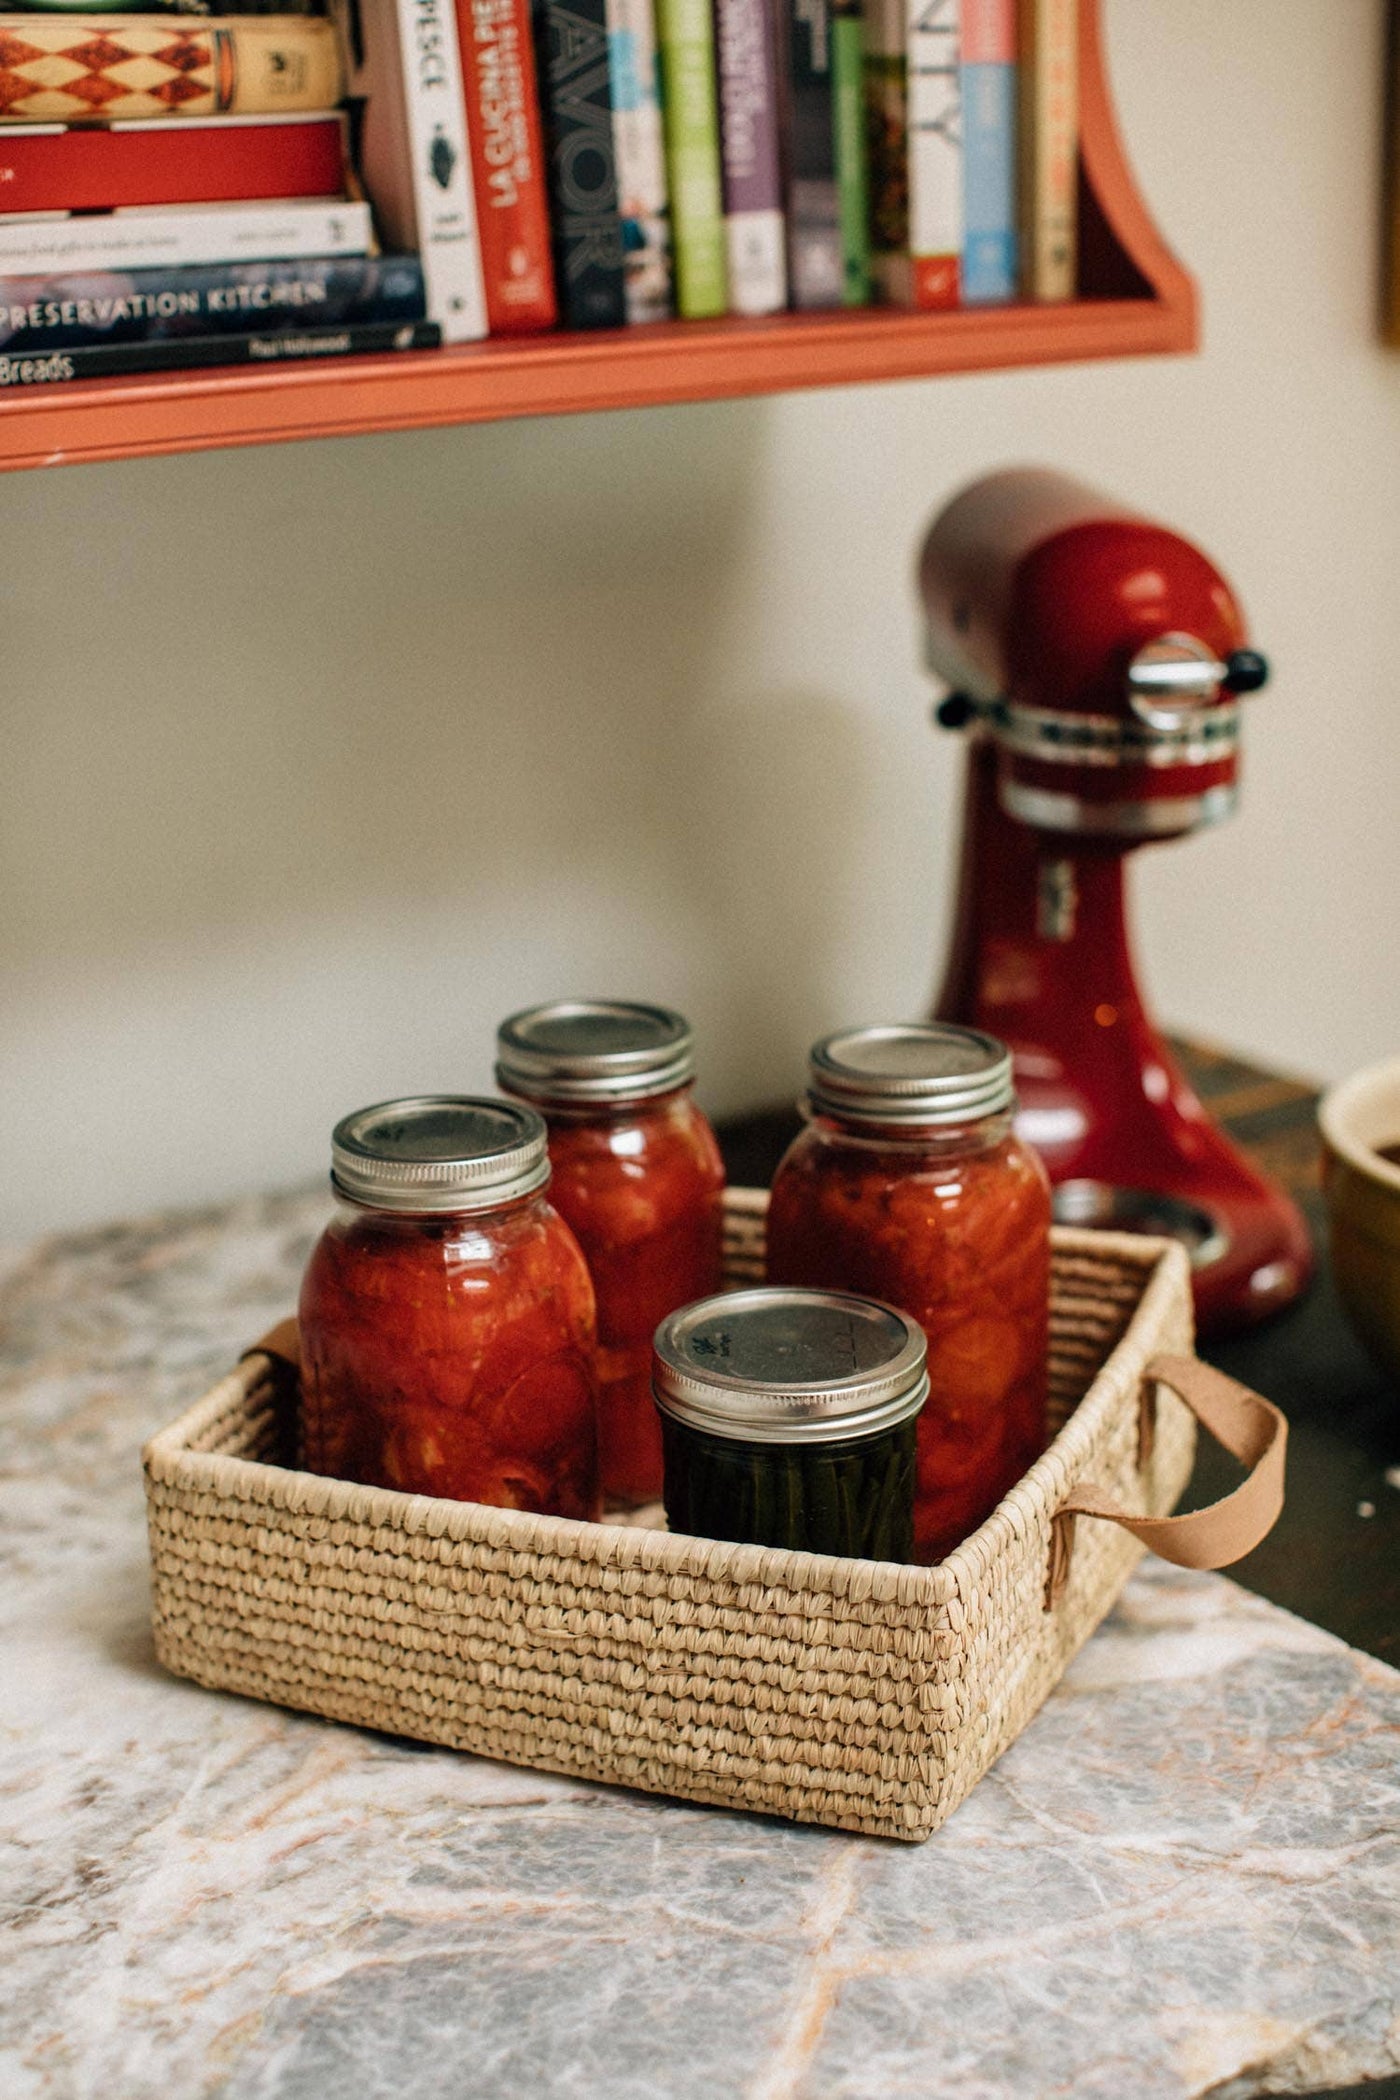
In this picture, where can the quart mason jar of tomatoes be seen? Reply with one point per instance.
(638, 1176)
(909, 1184)
(446, 1316)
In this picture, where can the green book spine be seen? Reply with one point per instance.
(852, 180)
(686, 38)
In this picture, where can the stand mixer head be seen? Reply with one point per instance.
(1097, 662)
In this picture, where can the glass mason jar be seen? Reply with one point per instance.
(446, 1315)
(638, 1176)
(909, 1183)
(789, 1419)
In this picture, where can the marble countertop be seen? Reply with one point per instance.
(1183, 1880)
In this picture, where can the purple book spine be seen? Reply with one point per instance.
(750, 150)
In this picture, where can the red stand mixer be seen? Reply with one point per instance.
(1097, 660)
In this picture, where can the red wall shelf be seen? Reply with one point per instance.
(1138, 301)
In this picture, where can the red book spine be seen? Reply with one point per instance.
(216, 160)
(508, 170)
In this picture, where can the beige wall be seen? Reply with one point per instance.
(317, 759)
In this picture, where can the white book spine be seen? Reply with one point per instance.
(639, 155)
(756, 247)
(152, 238)
(443, 201)
(933, 50)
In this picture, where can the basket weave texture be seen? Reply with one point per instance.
(860, 1694)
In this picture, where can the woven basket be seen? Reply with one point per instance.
(860, 1694)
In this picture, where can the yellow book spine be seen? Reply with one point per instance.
(1049, 148)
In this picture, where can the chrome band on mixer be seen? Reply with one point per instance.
(1057, 737)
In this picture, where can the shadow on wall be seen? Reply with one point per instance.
(283, 706)
(786, 783)
(336, 764)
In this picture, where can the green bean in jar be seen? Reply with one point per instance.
(789, 1418)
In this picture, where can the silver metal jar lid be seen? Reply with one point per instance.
(440, 1152)
(594, 1050)
(915, 1072)
(788, 1366)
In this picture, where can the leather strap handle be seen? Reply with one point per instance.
(1251, 1428)
(282, 1344)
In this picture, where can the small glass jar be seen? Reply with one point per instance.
(789, 1419)
(910, 1184)
(446, 1316)
(639, 1178)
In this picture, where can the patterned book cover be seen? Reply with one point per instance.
(816, 263)
(852, 172)
(750, 136)
(576, 93)
(990, 260)
(887, 136)
(151, 239)
(914, 114)
(685, 32)
(508, 163)
(206, 160)
(77, 68)
(109, 360)
(136, 306)
(640, 152)
(1049, 148)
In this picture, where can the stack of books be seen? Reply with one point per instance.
(179, 192)
(248, 188)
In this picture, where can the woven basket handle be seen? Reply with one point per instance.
(1251, 1429)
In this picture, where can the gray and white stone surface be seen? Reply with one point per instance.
(1183, 1880)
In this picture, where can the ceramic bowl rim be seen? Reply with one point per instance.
(1341, 1103)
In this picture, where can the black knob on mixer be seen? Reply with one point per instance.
(1245, 671)
(955, 712)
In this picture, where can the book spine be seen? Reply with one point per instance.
(81, 68)
(989, 259)
(210, 160)
(755, 230)
(439, 157)
(576, 89)
(1049, 143)
(852, 165)
(933, 277)
(137, 306)
(816, 273)
(507, 145)
(110, 360)
(147, 239)
(686, 34)
(639, 152)
(887, 141)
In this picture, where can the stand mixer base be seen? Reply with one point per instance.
(1247, 1243)
(1100, 1204)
